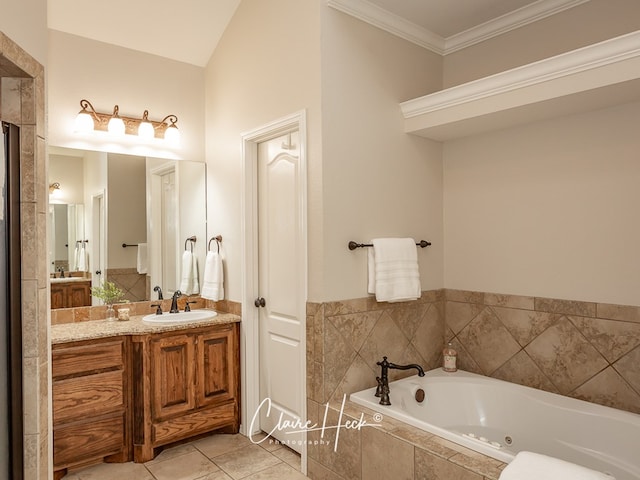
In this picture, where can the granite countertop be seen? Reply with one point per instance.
(72, 332)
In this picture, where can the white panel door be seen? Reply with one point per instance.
(280, 251)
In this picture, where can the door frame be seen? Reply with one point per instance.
(250, 331)
(99, 237)
(155, 233)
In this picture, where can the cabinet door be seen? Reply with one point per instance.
(58, 296)
(172, 376)
(216, 367)
(79, 295)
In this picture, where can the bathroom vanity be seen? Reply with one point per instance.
(70, 292)
(122, 389)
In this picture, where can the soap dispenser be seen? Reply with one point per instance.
(449, 359)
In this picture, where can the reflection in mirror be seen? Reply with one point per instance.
(67, 240)
(138, 213)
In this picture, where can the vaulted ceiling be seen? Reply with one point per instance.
(189, 30)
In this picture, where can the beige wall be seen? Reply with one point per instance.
(25, 23)
(377, 181)
(69, 172)
(548, 209)
(107, 75)
(588, 23)
(126, 208)
(266, 67)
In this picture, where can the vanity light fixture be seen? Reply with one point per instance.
(53, 187)
(88, 120)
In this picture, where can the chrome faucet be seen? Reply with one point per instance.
(174, 301)
(382, 390)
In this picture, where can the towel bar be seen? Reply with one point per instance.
(353, 245)
(125, 245)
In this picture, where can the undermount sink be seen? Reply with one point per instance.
(192, 316)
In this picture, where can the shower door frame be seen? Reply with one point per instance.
(14, 300)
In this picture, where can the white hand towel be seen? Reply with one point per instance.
(213, 283)
(82, 259)
(189, 283)
(393, 270)
(76, 258)
(534, 466)
(142, 259)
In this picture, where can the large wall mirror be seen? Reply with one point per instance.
(122, 218)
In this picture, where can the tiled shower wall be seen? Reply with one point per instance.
(584, 350)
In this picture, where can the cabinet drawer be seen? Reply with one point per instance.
(192, 424)
(81, 397)
(78, 359)
(79, 441)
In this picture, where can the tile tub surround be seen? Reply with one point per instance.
(346, 338)
(390, 450)
(132, 283)
(584, 350)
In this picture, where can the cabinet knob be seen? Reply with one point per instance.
(259, 302)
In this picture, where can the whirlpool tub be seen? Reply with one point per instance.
(499, 419)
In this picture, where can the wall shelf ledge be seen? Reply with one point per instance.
(588, 78)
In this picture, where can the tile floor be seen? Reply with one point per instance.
(218, 457)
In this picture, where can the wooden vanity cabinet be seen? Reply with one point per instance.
(185, 383)
(91, 403)
(70, 294)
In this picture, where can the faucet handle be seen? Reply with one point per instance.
(158, 309)
(378, 388)
(187, 308)
(383, 363)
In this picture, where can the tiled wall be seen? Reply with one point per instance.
(132, 283)
(22, 103)
(584, 350)
(345, 339)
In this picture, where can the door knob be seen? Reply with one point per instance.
(259, 302)
(98, 272)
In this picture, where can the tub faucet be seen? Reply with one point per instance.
(174, 302)
(382, 390)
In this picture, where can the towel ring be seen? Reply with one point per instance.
(192, 240)
(218, 239)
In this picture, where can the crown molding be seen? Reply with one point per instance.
(588, 58)
(389, 22)
(507, 22)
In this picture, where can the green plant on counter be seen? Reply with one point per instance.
(109, 293)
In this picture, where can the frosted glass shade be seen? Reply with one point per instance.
(172, 135)
(116, 126)
(84, 123)
(146, 130)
